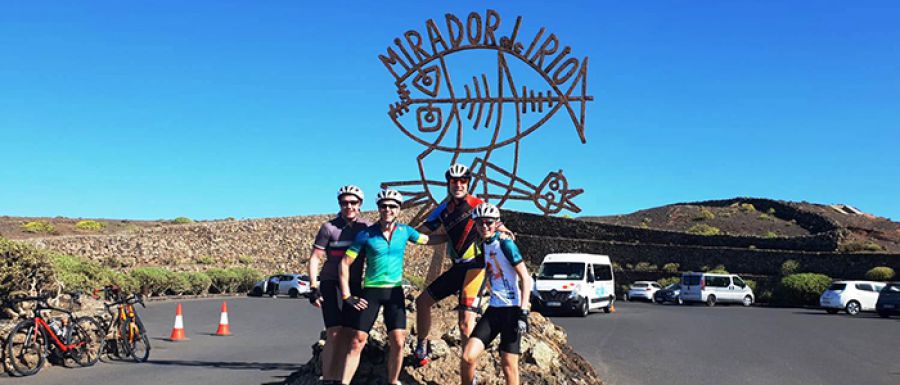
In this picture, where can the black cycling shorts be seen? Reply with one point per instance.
(390, 298)
(331, 301)
(466, 279)
(502, 321)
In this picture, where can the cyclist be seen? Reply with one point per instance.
(329, 246)
(466, 276)
(384, 244)
(507, 313)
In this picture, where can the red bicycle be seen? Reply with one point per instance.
(33, 339)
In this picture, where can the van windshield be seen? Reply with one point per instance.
(561, 270)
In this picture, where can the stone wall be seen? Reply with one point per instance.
(566, 228)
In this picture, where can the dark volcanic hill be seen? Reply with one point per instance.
(860, 232)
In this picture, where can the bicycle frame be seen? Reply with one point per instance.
(63, 347)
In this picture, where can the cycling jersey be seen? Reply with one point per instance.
(456, 217)
(501, 257)
(384, 256)
(335, 236)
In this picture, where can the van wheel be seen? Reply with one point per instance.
(852, 308)
(585, 309)
(257, 292)
(748, 300)
(711, 300)
(294, 293)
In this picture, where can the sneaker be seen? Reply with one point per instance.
(422, 352)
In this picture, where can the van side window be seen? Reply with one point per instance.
(739, 282)
(602, 273)
(717, 281)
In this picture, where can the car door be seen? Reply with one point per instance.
(867, 296)
(285, 284)
(739, 288)
(590, 282)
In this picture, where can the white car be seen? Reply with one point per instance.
(712, 288)
(851, 296)
(293, 285)
(644, 290)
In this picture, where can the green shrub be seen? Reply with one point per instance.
(771, 211)
(127, 283)
(179, 284)
(38, 227)
(747, 207)
(668, 281)
(616, 266)
(90, 225)
(247, 277)
(705, 214)
(223, 280)
(752, 284)
(880, 273)
(790, 267)
(855, 247)
(671, 267)
(23, 266)
(246, 259)
(182, 220)
(719, 269)
(770, 234)
(703, 229)
(205, 260)
(644, 225)
(644, 266)
(765, 217)
(78, 274)
(155, 280)
(200, 282)
(801, 289)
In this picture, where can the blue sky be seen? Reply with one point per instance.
(243, 109)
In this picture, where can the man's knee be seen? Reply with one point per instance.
(358, 341)
(397, 339)
(424, 300)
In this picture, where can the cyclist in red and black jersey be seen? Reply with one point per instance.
(466, 276)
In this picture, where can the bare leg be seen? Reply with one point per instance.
(510, 364)
(473, 349)
(423, 315)
(357, 343)
(466, 323)
(395, 354)
(331, 358)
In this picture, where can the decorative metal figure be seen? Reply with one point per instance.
(420, 65)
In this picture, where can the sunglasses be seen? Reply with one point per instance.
(392, 207)
(486, 223)
(348, 203)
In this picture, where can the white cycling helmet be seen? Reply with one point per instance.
(486, 211)
(457, 170)
(351, 190)
(388, 194)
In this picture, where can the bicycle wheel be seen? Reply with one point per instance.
(25, 348)
(87, 336)
(123, 336)
(139, 343)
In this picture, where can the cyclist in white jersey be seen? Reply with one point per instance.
(507, 313)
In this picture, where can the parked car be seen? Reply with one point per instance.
(671, 293)
(851, 296)
(293, 285)
(574, 283)
(713, 288)
(642, 290)
(889, 300)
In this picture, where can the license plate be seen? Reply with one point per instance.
(554, 303)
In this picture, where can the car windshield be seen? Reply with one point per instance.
(561, 270)
(837, 286)
(891, 289)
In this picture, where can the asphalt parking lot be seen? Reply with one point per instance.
(644, 343)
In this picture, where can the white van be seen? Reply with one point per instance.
(713, 288)
(574, 283)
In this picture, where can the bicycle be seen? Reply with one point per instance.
(31, 340)
(129, 335)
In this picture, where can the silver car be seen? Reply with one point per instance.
(293, 285)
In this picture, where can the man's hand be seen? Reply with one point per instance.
(356, 302)
(315, 298)
(522, 323)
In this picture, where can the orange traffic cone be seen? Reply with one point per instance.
(178, 329)
(612, 308)
(224, 330)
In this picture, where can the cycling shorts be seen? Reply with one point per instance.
(331, 300)
(391, 299)
(466, 279)
(502, 321)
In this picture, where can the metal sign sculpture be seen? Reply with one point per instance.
(426, 89)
